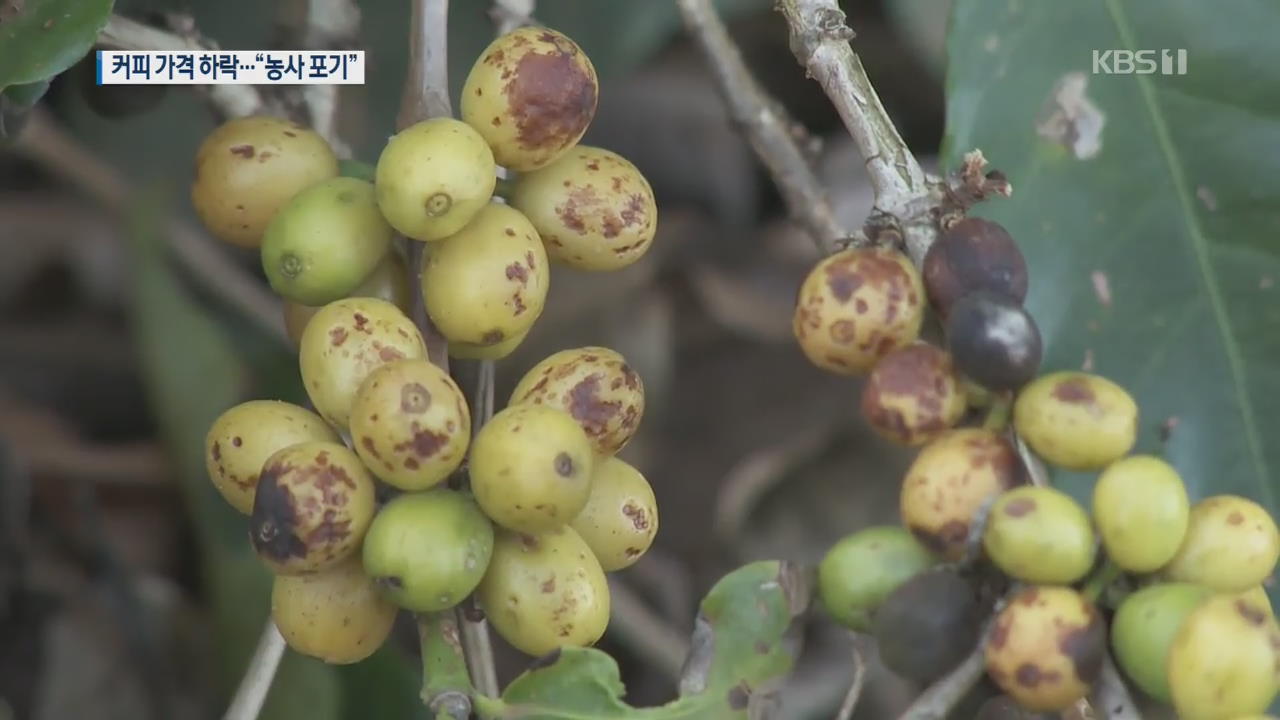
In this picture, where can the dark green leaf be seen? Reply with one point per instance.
(24, 96)
(1148, 207)
(742, 647)
(41, 38)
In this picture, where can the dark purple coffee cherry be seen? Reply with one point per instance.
(928, 624)
(973, 254)
(993, 341)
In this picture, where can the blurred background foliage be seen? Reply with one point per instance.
(127, 589)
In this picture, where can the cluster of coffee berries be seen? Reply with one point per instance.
(1198, 632)
(382, 497)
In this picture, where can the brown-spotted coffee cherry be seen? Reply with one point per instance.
(857, 306)
(315, 501)
(1076, 420)
(335, 615)
(1231, 545)
(950, 482)
(1046, 647)
(973, 254)
(1040, 535)
(1225, 660)
(994, 341)
(531, 94)
(596, 386)
(913, 395)
(620, 519)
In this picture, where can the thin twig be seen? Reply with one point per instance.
(475, 629)
(936, 702)
(1035, 469)
(321, 25)
(855, 685)
(426, 87)
(46, 143)
(645, 632)
(766, 126)
(1111, 695)
(229, 100)
(256, 683)
(511, 14)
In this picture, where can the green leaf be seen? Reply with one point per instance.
(41, 38)
(743, 646)
(356, 169)
(1148, 207)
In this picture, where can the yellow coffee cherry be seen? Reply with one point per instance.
(1140, 506)
(592, 207)
(596, 386)
(344, 342)
(314, 503)
(410, 424)
(620, 519)
(325, 241)
(243, 437)
(531, 468)
(531, 94)
(1046, 648)
(335, 615)
(913, 395)
(1224, 661)
(489, 282)
(389, 281)
(950, 481)
(468, 351)
(248, 168)
(1039, 535)
(543, 592)
(433, 177)
(1075, 420)
(1231, 545)
(856, 306)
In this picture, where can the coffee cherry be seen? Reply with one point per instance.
(620, 518)
(1143, 630)
(344, 342)
(1140, 506)
(428, 550)
(1046, 648)
(950, 481)
(325, 241)
(531, 468)
(248, 168)
(973, 254)
(1225, 661)
(433, 177)
(488, 282)
(596, 386)
(1231, 545)
(1039, 535)
(927, 625)
(410, 424)
(593, 209)
(1003, 707)
(542, 592)
(531, 94)
(1075, 420)
(389, 281)
(857, 306)
(335, 615)
(860, 570)
(314, 503)
(243, 437)
(993, 340)
(469, 351)
(912, 395)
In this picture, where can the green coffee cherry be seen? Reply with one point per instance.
(1039, 535)
(1143, 630)
(1140, 506)
(860, 570)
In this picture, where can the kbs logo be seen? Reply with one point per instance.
(1139, 62)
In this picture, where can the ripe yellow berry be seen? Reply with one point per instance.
(1231, 545)
(620, 519)
(542, 592)
(913, 395)
(488, 282)
(1039, 535)
(248, 168)
(433, 177)
(314, 503)
(1140, 506)
(857, 306)
(389, 281)
(596, 386)
(243, 437)
(592, 207)
(410, 424)
(344, 342)
(1046, 647)
(1076, 420)
(335, 615)
(1224, 661)
(531, 94)
(531, 468)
